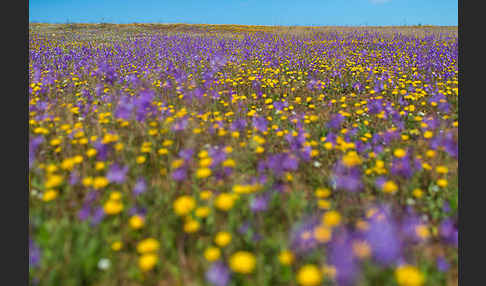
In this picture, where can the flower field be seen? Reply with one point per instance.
(242, 155)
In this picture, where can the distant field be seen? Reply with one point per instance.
(176, 154)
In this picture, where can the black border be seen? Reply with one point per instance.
(471, 127)
(15, 201)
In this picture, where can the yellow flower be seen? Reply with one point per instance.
(100, 182)
(361, 249)
(163, 151)
(324, 204)
(203, 154)
(184, 205)
(87, 181)
(442, 183)
(428, 134)
(99, 166)
(113, 207)
(67, 164)
(331, 218)
(191, 226)
(224, 201)
(430, 153)
(322, 234)
(426, 166)
(441, 169)
(147, 261)
(167, 143)
(418, 193)
(222, 238)
(389, 187)
(205, 162)
(242, 262)
(205, 195)
(328, 145)
(229, 163)
(422, 231)
(228, 149)
(177, 163)
(114, 196)
(136, 222)
(53, 181)
(408, 275)
(212, 254)
(259, 149)
(399, 153)
(91, 152)
(49, 195)
(309, 275)
(202, 173)
(286, 257)
(322, 193)
(141, 159)
(147, 245)
(55, 142)
(119, 146)
(351, 159)
(116, 246)
(203, 212)
(51, 168)
(78, 159)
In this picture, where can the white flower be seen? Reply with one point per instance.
(317, 164)
(410, 201)
(425, 217)
(104, 263)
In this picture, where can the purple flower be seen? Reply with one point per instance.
(260, 123)
(138, 211)
(401, 167)
(140, 186)
(259, 203)
(279, 105)
(186, 154)
(449, 232)
(103, 150)
(124, 108)
(84, 212)
(442, 264)
(33, 144)
(302, 237)
(281, 163)
(383, 238)
(217, 155)
(375, 106)
(73, 178)
(336, 121)
(97, 216)
(218, 274)
(143, 104)
(238, 124)
(446, 207)
(34, 254)
(346, 178)
(117, 173)
(341, 256)
(180, 125)
(243, 229)
(179, 174)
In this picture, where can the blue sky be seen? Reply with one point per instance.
(248, 12)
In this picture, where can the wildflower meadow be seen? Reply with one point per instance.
(242, 155)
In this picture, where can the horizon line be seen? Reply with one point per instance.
(266, 25)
